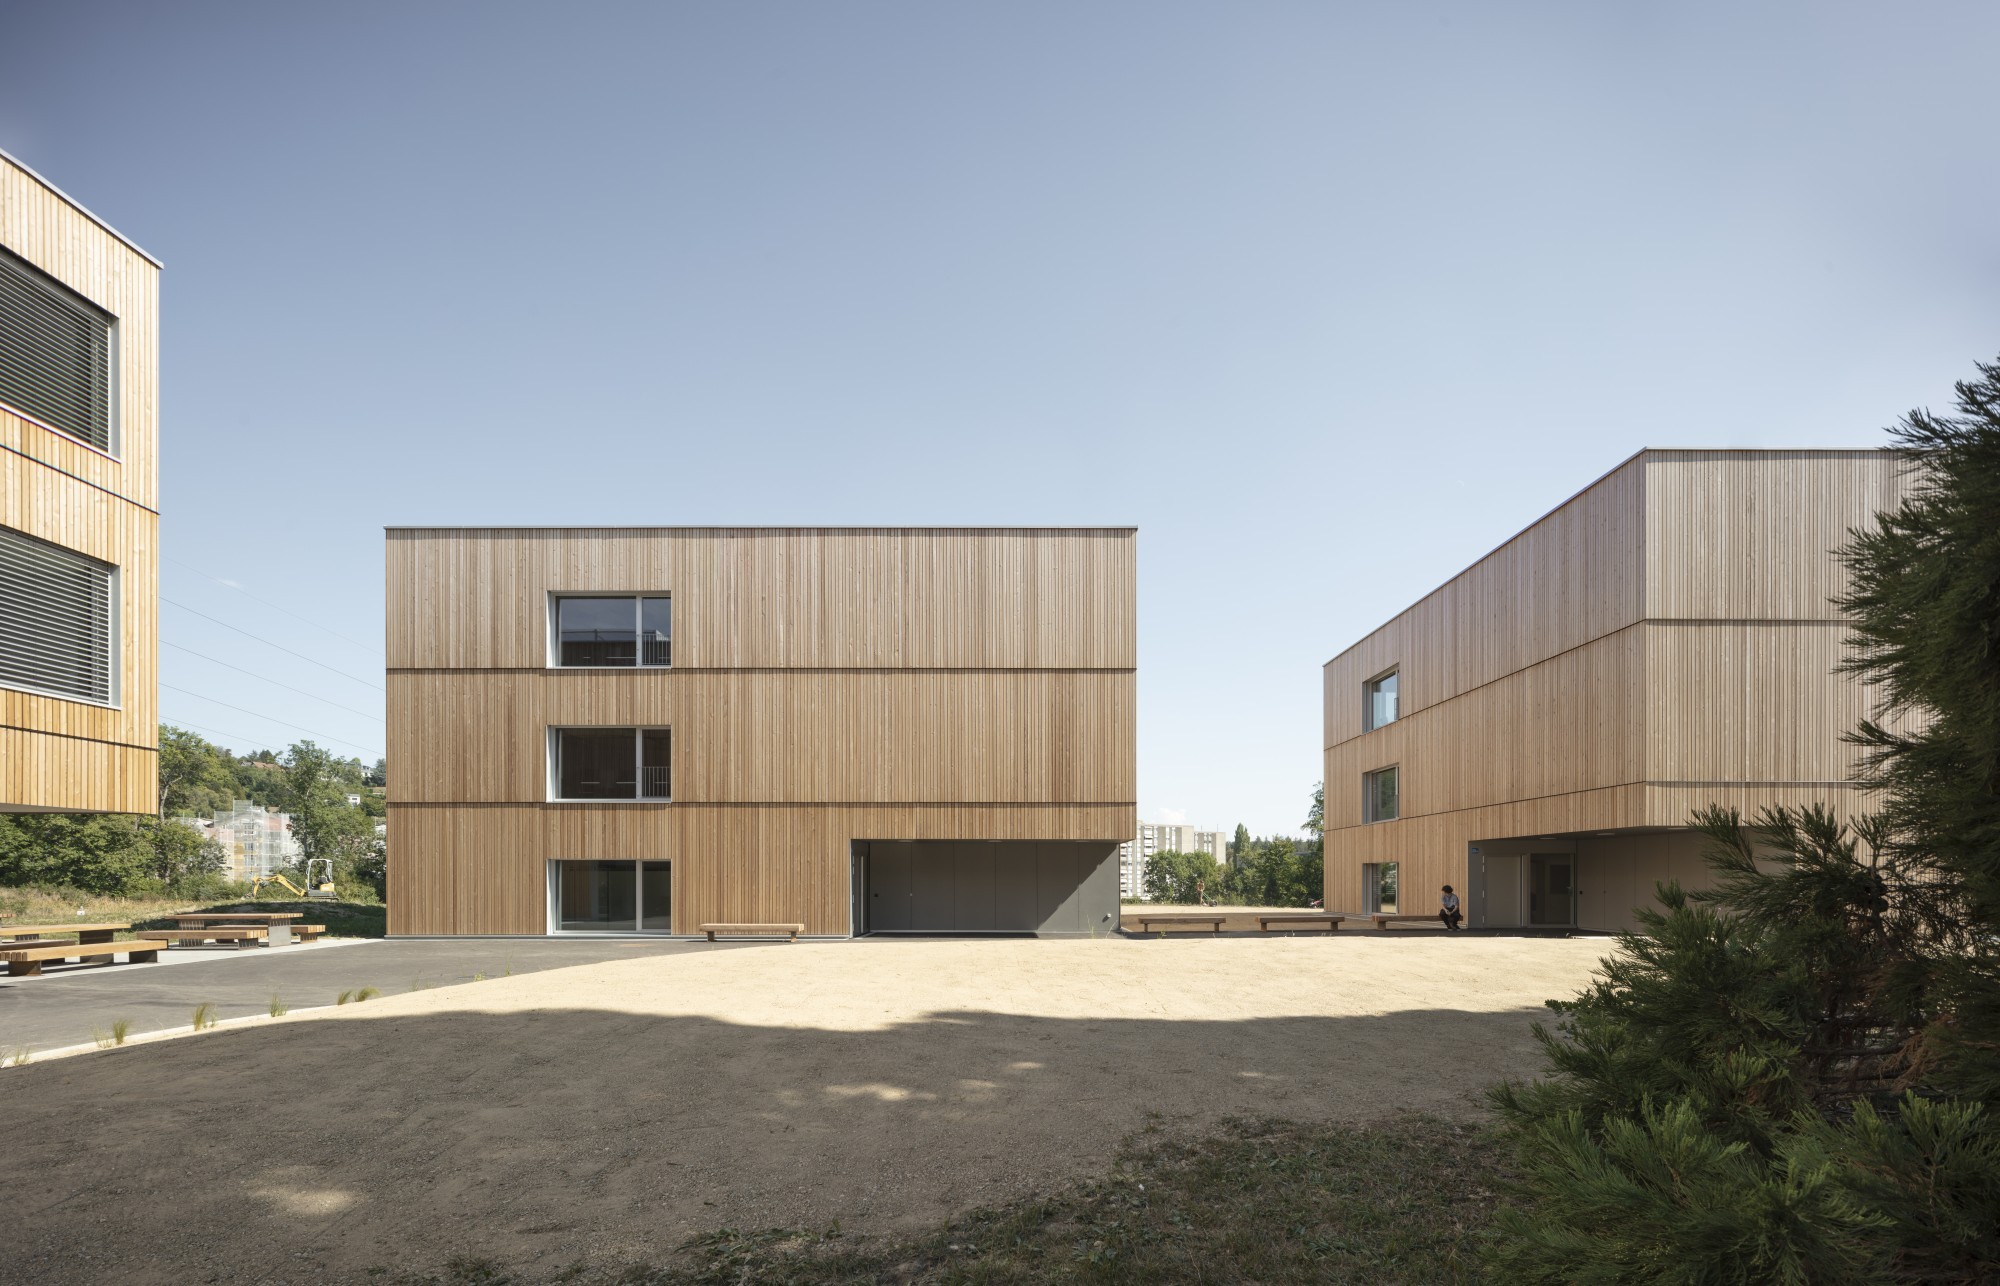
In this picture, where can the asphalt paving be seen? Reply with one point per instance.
(73, 1005)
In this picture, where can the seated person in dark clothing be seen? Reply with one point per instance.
(1448, 909)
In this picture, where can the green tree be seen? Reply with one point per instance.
(1239, 845)
(196, 776)
(1182, 878)
(316, 786)
(97, 854)
(1792, 1075)
(181, 858)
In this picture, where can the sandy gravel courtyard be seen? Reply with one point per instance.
(608, 1111)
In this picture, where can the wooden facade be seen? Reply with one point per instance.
(827, 687)
(1663, 640)
(58, 754)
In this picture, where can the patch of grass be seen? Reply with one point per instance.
(120, 1029)
(204, 1016)
(357, 994)
(278, 1007)
(101, 1036)
(1256, 1201)
(20, 1056)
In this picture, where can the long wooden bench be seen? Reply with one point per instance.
(790, 932)
(1297, 919)
(242, 935)
(1214, 922)
(26, 962)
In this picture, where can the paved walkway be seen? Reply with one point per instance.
(67, 1008)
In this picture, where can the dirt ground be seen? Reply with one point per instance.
(608, 1111)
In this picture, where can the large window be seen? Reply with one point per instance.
(1379, 887)
(57, 620)
(55, 353)
(1378, 702)
(613, 897)
(628, 630)
(1380, 799)
(612, 763)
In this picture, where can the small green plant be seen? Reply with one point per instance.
(479, 977)
(204, 1017)
(357, 995)
(278, 1007)
(101, 1036)
(120, 1029)
(20, 1056)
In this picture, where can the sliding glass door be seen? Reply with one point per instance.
(612, 897)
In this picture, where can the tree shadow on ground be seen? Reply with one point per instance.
(322, 1150)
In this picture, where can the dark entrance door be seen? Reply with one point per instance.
(1552, 889)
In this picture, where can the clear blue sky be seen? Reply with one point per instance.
(1328, 300)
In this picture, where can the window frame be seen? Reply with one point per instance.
(1369, 794)
(552, 634)
(114, 436)
(1368, 687)
(553, 759)
(554, 924)
(114, 624)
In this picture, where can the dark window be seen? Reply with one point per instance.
(594, 630)
(612, 897)
(55, 353)
(55, 619)
(1380, 801)
(613, 763)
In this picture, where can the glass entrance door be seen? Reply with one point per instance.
(613, 897)
(1552, 889)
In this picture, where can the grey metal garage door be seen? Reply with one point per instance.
(989, 886)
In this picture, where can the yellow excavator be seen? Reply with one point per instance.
(318, 889)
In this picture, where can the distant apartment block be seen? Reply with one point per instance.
(1163, 838)
(254, 840)
(79, 507)
(1537, 731)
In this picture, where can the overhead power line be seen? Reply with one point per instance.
(266, 678)
(268, 643)
(258, 714)
(250, 742)
(229, 584)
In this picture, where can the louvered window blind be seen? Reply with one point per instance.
(55, 619)
(55, 353)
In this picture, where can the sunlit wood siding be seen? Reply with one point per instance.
(1662, 640)
(828, 685)
(58, 754)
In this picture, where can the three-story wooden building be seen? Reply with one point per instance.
(858, 730)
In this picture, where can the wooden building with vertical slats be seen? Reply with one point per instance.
(79, 519)
(1537, 731)
(858, 730)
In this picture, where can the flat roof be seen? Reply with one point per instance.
(473, 526)
(1642, 451)
(78, 206)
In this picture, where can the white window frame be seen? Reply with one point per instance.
(553, 899)
(552, 629)
(553, 746)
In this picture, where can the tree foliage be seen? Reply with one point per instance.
(1793, 1075)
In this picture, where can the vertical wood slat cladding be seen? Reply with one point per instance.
(1575, 575)
(992, 736)
(749, 598)
(70, 755)
(828, 686)
(1722, 689)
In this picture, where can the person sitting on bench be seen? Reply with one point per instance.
(1448, 909)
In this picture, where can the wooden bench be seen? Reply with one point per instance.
(1214, 922)
(788, 931)
(308, 932)
(242, 935)
(26, 962)
(1296, 919)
